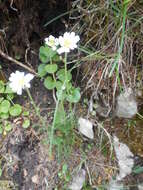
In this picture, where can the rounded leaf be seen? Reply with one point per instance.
(49, 83)
(8, 90)
(41, 70)
(61, 95)
(25, 113)
(10, 97)
(46, 54)
(1, 129)
(26, 123)
(2, 87)
(58, 85)
(8, 127)
(61, 75)
(74, 97)
(51, 68)
(4, 115)
(15, 110)
(1, 99)
(4, 106)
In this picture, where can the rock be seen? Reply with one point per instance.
(140, 186)
(78, 180)
(125, 158)
(35, 179)
(115, 185)
(86, 127)
(126, 104)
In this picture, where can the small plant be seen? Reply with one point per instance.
(58, 78)
(8, 109)
(64, 175)
(55, 77)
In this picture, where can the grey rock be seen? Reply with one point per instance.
(124, 157)
(85, 127)
(140, 186)
(78, 180)
(126, 104)
(115, 185)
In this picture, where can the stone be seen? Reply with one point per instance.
(115, 185)
(126, 104)
(85, 127)
(124, 157)
(78, 180)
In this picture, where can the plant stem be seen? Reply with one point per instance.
(65, 62)
(122, 39)
(54, 120)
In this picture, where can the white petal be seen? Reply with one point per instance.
(28, 77)
(66, 35)
(60, 50)
(61, 40)
(19, 91)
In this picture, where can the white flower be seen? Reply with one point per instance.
(20, 81)
(68, 42)
(52, 42)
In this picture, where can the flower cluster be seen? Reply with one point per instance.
(20, 81)
(64, 43)
(52, 42)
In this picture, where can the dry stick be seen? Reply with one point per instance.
(16, 62)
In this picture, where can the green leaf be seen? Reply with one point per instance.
(8, 90)
(4, 106)
(26, 123)
(61, 95)
(25, 113)
(0, 172)
(49, 83)
(58, 85)
(10, 97)
(56, 58)
(64, 169)
(138, 169)
(69, 86)
(46, 54)
(60, 117)
(1, 99)
(15, 110)
(51, 68)
(4, 115)
(8, 127)
(126, 2)
(1, 129)
(41, 70)
(74, 97)
(61, 75)
(2, 87)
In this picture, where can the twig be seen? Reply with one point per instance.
(11, 6)
(16, 62)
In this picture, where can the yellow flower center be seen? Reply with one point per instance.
(21, 82)
(52, 43)
(67, 43)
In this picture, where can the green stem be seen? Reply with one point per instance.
(54, 120)
(65, 62)
(122, 39)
